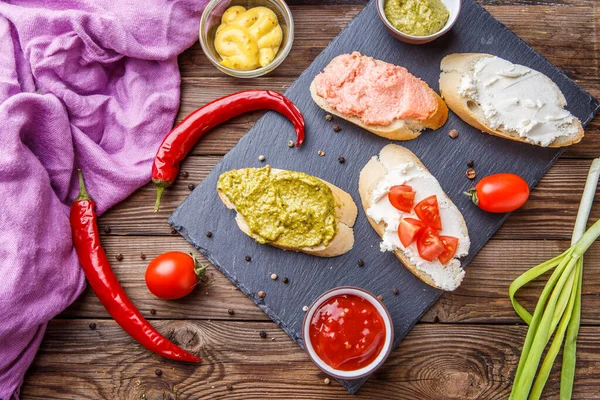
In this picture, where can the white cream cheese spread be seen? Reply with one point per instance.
(448, 276)
(517, 99)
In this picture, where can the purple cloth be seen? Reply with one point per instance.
(83, 83)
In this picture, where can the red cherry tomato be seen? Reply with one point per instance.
(450, 244)
(408, 230)
(428, 211)
(173, 275)
(402, 197)
(500, 193)
(429, 244)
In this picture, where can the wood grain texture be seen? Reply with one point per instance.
(482, 298)
(471, 362)
(549, 214)
(448, 356)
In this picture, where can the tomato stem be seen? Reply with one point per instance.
(473, 195)
(199, 268)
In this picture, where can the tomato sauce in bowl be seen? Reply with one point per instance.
(348, 332)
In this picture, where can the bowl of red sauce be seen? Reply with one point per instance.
(348, 332)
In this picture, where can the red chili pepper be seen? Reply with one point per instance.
(184, 136)
(105, 284)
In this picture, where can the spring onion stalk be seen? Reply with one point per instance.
(557, 314)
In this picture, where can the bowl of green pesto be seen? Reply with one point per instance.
(418, 21)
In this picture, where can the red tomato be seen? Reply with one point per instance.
(450, 244)
(408, 230)
(429, 244)
(428, 211)
(402, 197)
(500, 193)
(173, 275)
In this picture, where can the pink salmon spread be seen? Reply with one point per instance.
(377, 93)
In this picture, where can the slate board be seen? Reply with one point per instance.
(475, 31)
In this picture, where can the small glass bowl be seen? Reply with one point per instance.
(453, 6)
(211, 19)
(389, 336)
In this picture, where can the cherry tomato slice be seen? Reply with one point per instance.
(402, 197)
(429, 244)
(428, 211)
(408, 230)
(450, 244)
(500, 193)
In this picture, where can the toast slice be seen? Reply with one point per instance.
(455, 67)
(345, 213)
(450, 276)
(399, 129)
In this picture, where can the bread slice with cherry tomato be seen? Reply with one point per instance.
(415, 218)
(335, 225)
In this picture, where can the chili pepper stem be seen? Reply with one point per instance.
(159, 192)
(83, 194)
(472, 195)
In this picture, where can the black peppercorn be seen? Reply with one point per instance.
(336, 128)
(285, 279)
(153, 311)
(158, 372)
(248, 258)
(119, 257)
(341, 160)
(395, 291)
(208, 234)
(191, 186)
(107, 229)
(471, 163)
(361, 263)
(185, 174)
(142, 256)
(173, 231)
(92, 325)
(229, 387)
(230, 312)
(263, 334)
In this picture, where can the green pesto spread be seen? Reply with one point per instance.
(417, 17)
(289, 209)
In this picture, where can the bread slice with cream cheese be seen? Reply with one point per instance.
(531, 95)
(372, 176)
(345, 213)
(399, 129)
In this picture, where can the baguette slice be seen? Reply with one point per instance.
(371, 174)
(401, 129)
(453, 68)
(346, 212)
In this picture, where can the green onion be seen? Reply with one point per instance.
(558, 310)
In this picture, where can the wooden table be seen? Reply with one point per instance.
(466, 347)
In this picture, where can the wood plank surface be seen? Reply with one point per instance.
(471, 362)
(465, 347)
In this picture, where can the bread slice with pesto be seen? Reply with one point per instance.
(396, 165)
(507, 100)
(400, 109)
(290, 210)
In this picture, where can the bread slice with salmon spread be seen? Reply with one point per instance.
(290, 210)
(397, 166)
(507, 100)
(383, 98)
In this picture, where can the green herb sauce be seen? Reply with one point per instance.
(417, 17)
(289, 209)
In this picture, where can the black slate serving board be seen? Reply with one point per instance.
(475, 31)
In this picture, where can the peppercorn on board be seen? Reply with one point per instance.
(446, 158)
